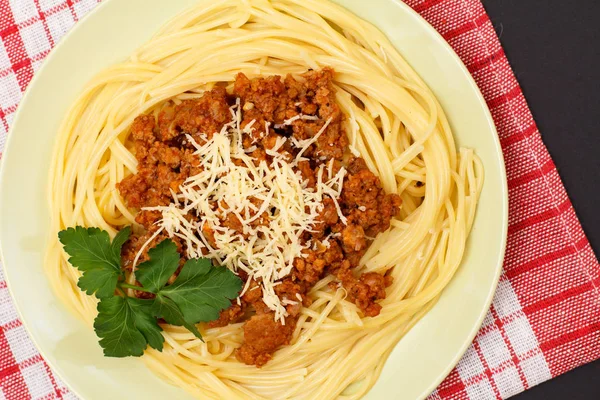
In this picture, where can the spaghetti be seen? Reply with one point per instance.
(393, 122)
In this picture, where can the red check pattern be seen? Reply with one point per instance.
(545, 318)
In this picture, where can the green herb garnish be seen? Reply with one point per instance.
(126, 325)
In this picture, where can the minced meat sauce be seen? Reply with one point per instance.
(166, 160)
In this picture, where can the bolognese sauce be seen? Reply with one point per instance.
(166, 159)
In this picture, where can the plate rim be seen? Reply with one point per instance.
(498, 267)
(19, 114)
(505, 201)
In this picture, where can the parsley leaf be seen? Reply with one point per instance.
(124, 330)
(165, 308)
(146, 323)
(201, 291)
(127, 325)
(93, 254)
(164, 260)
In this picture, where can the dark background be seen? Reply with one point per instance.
(554, 49)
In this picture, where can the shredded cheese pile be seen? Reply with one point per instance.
(272, 201)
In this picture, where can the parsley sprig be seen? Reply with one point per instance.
(127, 325)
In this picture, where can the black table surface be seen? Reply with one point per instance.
(554, 49)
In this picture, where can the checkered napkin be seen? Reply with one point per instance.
(545, 318)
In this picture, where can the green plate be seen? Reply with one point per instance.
(111, 33)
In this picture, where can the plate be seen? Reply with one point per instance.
(111, 33)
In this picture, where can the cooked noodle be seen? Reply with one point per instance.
(393, 121)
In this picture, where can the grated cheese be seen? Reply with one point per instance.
(289, 121)
(272, 202)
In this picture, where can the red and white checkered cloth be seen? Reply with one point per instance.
(545, 319)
